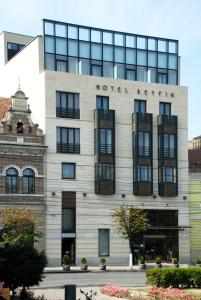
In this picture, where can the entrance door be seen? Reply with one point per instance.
(68, 245)
(155, 246)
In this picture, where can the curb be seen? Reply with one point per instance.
(90, 271)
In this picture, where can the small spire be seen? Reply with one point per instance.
(19, 86)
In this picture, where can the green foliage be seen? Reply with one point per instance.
(18, 226)
(158, 260)
(102, 260)
(21, 265)
(175, 253)
(129, 220)
(198, 261)
(66, 259)
(142, 260)
(168, 277)
(83, 261)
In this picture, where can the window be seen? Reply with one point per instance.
(169, 174)
(68, 140)
(169, 145)
(13, 49)
(106, 141)
(68, 220)
(162, 78)
(103, 242)
(67, 105)
(140, 106)
(144, 173)
(102, 102)
(143, 143)
(11, 180)
(28, 181)
(104, 171)
(96, 70)
(165, 108)
(20, 127)
(68, 171)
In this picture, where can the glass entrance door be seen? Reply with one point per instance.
(154, 247)
(68, 245)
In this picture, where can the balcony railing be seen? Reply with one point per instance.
(107, 115)
(67, 113)
(68, 148)
(144, 151)
(167, 120)
(169, 153)
(144, 118)
(105, 148)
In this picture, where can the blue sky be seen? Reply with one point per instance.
(179, 19)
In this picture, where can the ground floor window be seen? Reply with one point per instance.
(103, 242)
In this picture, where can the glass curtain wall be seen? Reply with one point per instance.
(98, 52)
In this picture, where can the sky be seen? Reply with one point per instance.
(176, 19)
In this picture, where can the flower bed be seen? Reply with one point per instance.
(115, 291)
(168, 294)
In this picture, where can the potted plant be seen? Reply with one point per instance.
(66, 262)
(102, 264)
(83, 265)
(158, 262)
(142, 264)
(198, 262)
(175, 262)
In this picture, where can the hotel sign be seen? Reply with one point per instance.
(139, 91)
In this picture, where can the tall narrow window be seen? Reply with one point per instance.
(165, 108)
(103, 242)
(67, 105)
(104, 171)
(68, 220)
(106, 141)
(144, 173)
(11, 180)
(169, 174)
(68, 140)
(169, 145)
(102, 102)
(143, 143)
(28, 181)
(140, 106)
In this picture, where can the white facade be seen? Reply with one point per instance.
(93, 211)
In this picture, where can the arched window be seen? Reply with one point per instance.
(28, 181)
(11, 180)
(20, 128)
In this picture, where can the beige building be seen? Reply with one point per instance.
(115, 120)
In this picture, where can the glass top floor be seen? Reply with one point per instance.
(99, 52)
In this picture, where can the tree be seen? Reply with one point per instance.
(129, 220)
(21, 265)
(18, 226)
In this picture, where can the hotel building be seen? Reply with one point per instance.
(115, 122)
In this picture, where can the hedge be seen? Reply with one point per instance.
(175, 277)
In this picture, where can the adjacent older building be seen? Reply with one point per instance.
(21, 159)
(194, 155)
(115, 119)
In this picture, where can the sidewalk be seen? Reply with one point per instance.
(76, 269)
(58, 294)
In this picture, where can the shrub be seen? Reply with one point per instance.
(198, 261)
(182, 277)
(66, 259)
(168, 294)
(114, 291)
(102, 260)
(142, 260)
(83, 261)
(158, 260)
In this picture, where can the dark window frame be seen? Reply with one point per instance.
(107, 252)
(102, 99)
(169, 152)
(165, 176)
(30, 182)
(144, 150)
(67, 111)
(67, 147)
(106, 148)
(11, 181)
(74, 170)
(138, 106)
(163, 107)
(139, 173)
(73, 225)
